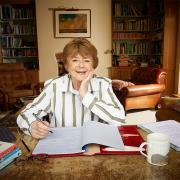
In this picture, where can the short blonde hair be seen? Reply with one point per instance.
(80, 46)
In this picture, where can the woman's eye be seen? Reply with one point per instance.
(87, 61)
(74, 60)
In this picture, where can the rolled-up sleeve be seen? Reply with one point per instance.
(40, 104)
(106, 106)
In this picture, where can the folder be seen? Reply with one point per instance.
(131, 139)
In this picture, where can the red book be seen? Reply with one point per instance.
(6, 148)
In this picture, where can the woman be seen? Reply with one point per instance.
(74, 98)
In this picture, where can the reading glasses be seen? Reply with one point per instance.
(22, 160)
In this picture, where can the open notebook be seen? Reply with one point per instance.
(92, 138)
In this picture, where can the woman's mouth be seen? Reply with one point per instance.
(81, 72)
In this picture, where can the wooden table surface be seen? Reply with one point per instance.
(100, 167)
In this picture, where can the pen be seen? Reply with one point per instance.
(40, 120)
(23, 142)
(25, 145)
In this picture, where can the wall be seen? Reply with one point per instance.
(48, 45)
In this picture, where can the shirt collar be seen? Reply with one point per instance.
(67, 85)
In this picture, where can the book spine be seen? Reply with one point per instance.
(8, 150)
(9, 154)
(10, 159)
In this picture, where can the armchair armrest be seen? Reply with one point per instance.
(119, 84)
(142, 90)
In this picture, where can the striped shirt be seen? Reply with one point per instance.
(64, 103)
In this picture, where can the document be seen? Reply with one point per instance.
(71, 140)
(169, 127)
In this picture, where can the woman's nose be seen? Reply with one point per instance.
(81, 63)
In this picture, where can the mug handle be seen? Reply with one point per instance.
(141, 148)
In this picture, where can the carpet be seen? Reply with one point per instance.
(140, 117)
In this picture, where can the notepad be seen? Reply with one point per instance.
(169, 127)
(71, 140)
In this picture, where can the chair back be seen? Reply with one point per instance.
(149, 75)
(12, 75)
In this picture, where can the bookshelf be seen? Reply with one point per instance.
(137, 34)
(130, 32)
(156, 32)
(18, 34)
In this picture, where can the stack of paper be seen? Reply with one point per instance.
(8, 153)
(168, 127)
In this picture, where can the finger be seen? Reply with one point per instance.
(38, 134)
(39, 130)
(43, 125)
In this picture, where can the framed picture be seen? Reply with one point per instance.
(72, 23)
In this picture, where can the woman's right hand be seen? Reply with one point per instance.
(39, 130)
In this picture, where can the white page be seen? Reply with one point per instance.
(69, 140)
(61, 141)
(169, 127)
(103, 134)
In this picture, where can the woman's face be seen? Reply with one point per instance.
(79, 67)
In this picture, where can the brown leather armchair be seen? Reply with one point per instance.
(14, 84)
(149, 86)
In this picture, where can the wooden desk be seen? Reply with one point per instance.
(98, 167)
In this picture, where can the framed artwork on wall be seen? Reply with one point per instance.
(72, 23)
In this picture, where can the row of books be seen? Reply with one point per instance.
(157, 23)
(119, 36)
(131, 25)
(124, 9)
(8, 153)
(157, 48)
(12, 42)
(26, 28)
(132, 47)
(9, 12)
(19, 52)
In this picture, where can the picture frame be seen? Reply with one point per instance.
(72, 23)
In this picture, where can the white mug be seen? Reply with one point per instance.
(158, 146)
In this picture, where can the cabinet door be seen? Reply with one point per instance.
(123, 73)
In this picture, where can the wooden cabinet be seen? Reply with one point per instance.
(123, 73)
(32, 76)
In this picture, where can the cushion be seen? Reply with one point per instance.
(176, 106)
(171, 102)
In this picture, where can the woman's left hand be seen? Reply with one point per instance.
(84, 84)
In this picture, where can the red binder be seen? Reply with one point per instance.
(130, 136)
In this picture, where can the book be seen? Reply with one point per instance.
(9, 154)
(92, 138)
(168, 127)
(6, 147)
(9, 158)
